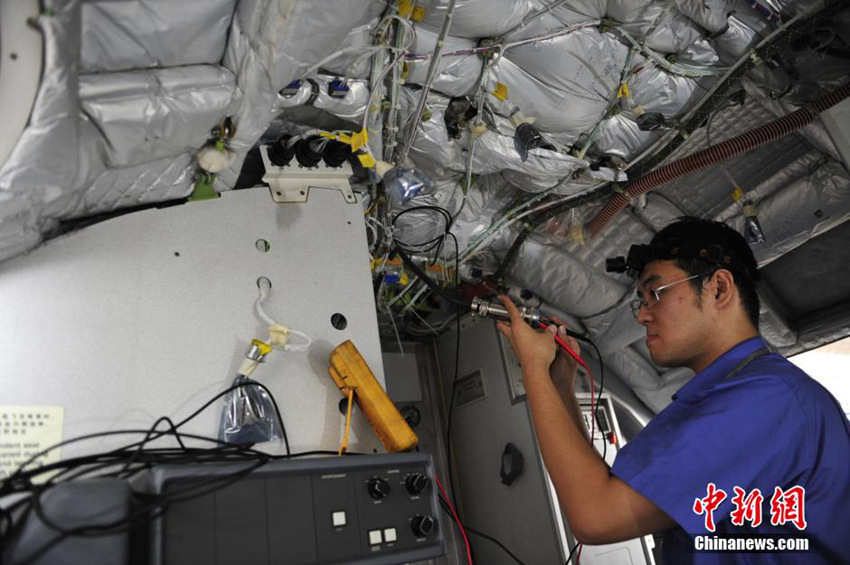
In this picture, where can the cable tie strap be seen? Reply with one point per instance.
(314, 92)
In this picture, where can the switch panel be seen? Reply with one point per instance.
(310, 511)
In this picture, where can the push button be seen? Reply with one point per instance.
(338, 519)
(375, 537)
(390, 535)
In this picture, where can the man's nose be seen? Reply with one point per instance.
(644, 315)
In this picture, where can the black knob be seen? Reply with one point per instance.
(422, 525)
(416, 483)
(378, 488)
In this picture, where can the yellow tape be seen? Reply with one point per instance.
(265, 348)
(358, 140)
(367, 160)
(418, 14)
(328, 134)
(405, 8)
(501, 91)
(737, 194)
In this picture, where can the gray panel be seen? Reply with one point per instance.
(402, 376)
(237, 540)
(520, 516)
(151, 314)
(335, 492)
(290, 521)
(283, 513)
(190, 532)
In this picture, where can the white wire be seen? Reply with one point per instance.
(370, 49)
(306, 340)
(376, 86)
(471, 252)
(298, 346)
(258, 305)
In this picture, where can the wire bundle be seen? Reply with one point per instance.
(125, 463)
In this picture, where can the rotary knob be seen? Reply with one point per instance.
(378, 488)
(416, 483)
(422, 525)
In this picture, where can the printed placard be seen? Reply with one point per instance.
(25, 431)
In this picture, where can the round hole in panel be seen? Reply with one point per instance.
(338, 321)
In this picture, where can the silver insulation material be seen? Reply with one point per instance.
(570, 92)
(354, 58)
(132, 89)
(272, 43)
(421, 226)
(562, 279)
(800, 211)
(494, 151)
(28, 182)
(477, 18)
(121, 36)
(147, 115)
(456, 75)
(641, 377)
(486, 199)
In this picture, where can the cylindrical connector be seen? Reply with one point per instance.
(487, 309)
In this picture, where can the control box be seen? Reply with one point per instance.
(376, 509)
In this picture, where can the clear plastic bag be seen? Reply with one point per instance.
(249, 415)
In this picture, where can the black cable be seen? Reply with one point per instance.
(431, 244)
(145, 458)
(570, 558)
(19, 472)
(454, 386)
(601, 390)
(158, 505)
(147, 437)
(408, 262)
(482, 535)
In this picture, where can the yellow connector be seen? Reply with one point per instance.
(350, 372)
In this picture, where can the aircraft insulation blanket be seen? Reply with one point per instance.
(350, 372)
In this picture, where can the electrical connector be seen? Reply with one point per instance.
(291, 89)
(337, 88)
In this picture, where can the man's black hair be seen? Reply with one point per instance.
(709, 232)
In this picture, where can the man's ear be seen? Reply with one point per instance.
(724, 286)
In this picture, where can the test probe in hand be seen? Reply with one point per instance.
(487, 309)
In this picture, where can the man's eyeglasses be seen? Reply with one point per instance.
(639, 301)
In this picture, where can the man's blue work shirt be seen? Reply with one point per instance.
(768, 425)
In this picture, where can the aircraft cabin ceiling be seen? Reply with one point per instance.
(554, 134)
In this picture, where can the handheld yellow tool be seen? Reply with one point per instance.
(351, 373)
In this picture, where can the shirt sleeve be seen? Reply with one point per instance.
(749, 432)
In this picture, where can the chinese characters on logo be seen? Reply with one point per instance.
(786, 506)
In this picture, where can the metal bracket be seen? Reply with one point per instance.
(292, 183)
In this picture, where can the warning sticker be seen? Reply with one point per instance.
(26, 431)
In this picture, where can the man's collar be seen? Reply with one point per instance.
(719, 369)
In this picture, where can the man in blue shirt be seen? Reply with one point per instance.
(750, 447)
